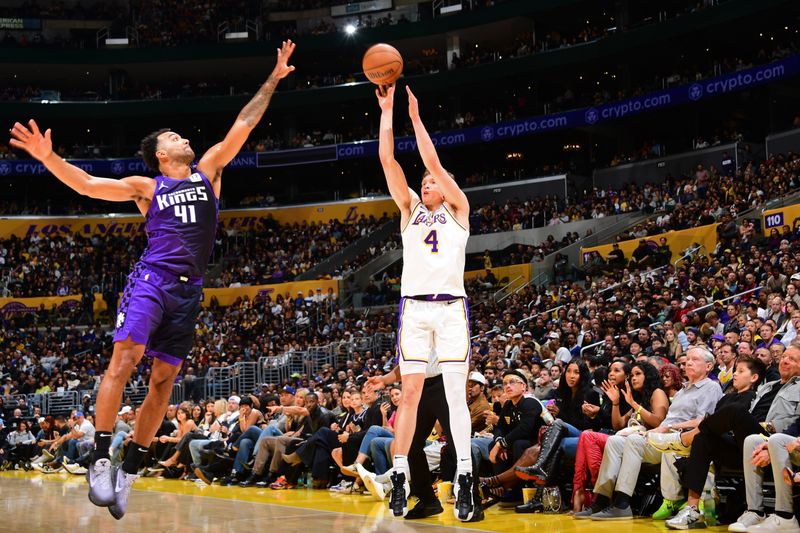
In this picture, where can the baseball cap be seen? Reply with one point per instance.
(694, 330)
(125, 410)
(234, 399)
(718, 337)
(78, 414)
(795, 277)
(517, 373)
(288, 390)
(477, 377)
(619, 312)
(501, 338)
(264, 385)
(553, 335)
(528, 333)
(517, 336)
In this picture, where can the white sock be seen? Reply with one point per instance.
(400, 463)
(460, 424)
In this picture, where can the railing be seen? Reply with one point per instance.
(690, 253)
(51, 403)
(759, 288)
(631, 332)
(534, 315)
(504, 287)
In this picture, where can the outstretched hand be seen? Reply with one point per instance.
(31, 140)
(385, 96)
(282, 67)
(413, 104)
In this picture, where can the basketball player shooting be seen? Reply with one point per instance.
(156, 316)
(433, 316)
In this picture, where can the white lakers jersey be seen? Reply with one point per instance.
(434, 248)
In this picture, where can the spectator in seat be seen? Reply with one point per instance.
(624, 456)
(707, 443)
(781, 428)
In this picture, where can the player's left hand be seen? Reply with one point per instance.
(413, 104)
(282, 67)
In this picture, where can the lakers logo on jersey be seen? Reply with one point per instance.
(429, 219)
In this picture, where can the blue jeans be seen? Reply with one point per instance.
(569, 444)
(372, 433)
(116, 446)
(196, 449)
(481, 446)
(246, 444)
(71, 449)
(380, 452)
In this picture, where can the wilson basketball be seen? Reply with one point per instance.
(382, 64)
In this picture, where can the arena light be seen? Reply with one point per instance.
(350, 29)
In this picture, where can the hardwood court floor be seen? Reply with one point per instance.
(33, 502)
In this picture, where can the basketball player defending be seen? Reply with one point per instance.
(433, 309)
(156, 315)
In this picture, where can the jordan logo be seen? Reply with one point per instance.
(162, 185)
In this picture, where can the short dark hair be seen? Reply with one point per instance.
(149, 146)
(755, 365)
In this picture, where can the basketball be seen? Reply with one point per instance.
(382, 64)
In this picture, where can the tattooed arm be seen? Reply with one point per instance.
(219, 155)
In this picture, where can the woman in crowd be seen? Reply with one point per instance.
(197, 414)
(673, 346)
(577, 406)
(671, 380)
(19, 447)
(640, 392)
(591, 443)
(178, 449)
(378, 439)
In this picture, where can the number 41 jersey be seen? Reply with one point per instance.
(434, 248)
(181, 225)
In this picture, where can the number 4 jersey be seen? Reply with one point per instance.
(434, 248)
(181, 225)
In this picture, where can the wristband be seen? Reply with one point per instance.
(502, 442)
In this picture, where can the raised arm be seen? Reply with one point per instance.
(40, 147)
(395, 178)
(453, 194)
(219, 155)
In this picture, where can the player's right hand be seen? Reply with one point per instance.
(386, 98)
(31, 140)
(376, 382)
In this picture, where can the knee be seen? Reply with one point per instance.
(122, 363)
(750, 443)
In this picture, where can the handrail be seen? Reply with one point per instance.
(631, 278)
(689, 252)
(759, 288)
(493, 330)
(598, 343)
(547, 312)
(504, 287)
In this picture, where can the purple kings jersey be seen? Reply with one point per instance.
(181, 225)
